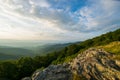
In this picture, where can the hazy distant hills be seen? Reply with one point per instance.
(7, 56)
(9, 52)
(13, 53)
(49, 48)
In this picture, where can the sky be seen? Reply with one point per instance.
(57, 20)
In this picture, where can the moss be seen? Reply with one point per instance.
(41, 68)
(78, 77)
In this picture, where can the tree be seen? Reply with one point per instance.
(25, 66)
(8, 70)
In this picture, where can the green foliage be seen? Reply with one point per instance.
(66, 54)
(113, 47)
(25, 66)
(103, 39)
(69, 58)
(8, 70)
(78, 77)
(40, 69)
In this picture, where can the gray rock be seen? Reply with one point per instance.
(96, 64)
(26, 78)
(53, 72)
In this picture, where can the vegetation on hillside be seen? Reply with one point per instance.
(48, 48)
(25, 66)
(113, 47)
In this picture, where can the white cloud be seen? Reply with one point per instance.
(36, 19)
(99, 16)
(19, 25)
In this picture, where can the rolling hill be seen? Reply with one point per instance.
(49, 48)
(8, 57)
(9, 52)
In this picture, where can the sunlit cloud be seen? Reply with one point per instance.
(57, 19)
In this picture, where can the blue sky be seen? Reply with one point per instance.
(57, 20)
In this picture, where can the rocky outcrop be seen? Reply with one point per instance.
(93, 64)
(96, 64)
(53, 72)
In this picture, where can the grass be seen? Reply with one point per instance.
(113, 47)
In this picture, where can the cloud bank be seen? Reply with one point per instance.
(65, 20)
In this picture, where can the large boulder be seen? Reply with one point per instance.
(96, 64)
(54, 72)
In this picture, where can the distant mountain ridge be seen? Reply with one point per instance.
(51, 48)
(9, 52)
(4, 56)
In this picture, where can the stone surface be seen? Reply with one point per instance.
(53, 72)
(93, 64)
(96, 64)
